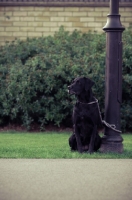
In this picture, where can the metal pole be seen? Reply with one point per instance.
(112, 140)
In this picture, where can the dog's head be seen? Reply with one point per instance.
(79, 85)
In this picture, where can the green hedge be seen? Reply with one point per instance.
(126, 110)
(34, 75)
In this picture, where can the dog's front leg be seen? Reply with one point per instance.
(78, 139)
(92, 140)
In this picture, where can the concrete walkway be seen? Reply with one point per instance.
(65, 179)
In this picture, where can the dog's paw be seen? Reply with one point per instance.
(80, 150)
(90, 151)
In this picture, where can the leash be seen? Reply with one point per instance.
(111, 126)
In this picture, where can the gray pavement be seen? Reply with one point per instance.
(65, 179)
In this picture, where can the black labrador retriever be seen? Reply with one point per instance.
(86, 117)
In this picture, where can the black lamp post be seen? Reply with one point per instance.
(112, 140)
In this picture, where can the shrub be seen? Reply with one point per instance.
(126, 110)
(34, 75)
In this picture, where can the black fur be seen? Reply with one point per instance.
(86, 118)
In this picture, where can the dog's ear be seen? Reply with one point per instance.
(88, 84)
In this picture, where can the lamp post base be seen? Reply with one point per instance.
(111, 147)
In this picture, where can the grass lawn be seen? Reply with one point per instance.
(50, 145)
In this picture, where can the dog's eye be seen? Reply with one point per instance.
(78, 82)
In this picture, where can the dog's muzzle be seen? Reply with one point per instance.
(70, 91)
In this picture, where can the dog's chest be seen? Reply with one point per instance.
(83, 114)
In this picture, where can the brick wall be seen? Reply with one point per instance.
(35, 21)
